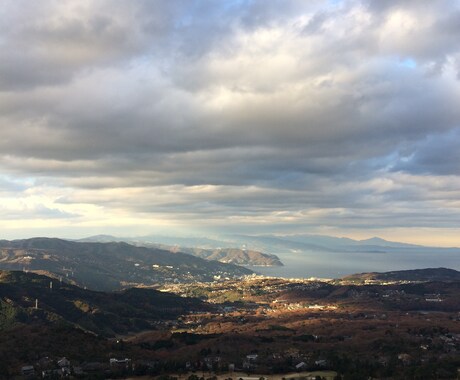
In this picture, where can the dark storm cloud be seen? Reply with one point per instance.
(300, 112)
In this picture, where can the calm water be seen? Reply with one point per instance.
(338, 264)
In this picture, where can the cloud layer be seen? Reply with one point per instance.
(337, 116)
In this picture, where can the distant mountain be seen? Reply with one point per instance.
(269, 244)
(428, 274)
(101, 239)
(341, 243)
(204, 248)
(101, 313)
(109, 266)
(233, 255)
(277, 244)
(382, 242)
(319, 243)
(202, 242)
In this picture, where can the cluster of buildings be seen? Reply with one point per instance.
(47, 368)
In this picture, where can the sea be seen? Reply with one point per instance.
(307, 264)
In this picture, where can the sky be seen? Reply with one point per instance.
(203, 117)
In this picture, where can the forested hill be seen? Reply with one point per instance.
(423, 275)
(35, 299)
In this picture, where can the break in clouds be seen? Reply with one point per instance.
(270, 115)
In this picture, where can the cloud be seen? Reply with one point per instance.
(250, 112)
(436, 155)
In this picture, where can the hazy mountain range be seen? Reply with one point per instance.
(106, 262)
(269, 243)
(204, 248)
(305, 255)
(320, 243)
(108, 266)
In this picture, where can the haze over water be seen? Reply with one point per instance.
(338, 264)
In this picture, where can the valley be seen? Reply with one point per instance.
(356, 327)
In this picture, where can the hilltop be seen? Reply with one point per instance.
(235, 256)
(413, 275)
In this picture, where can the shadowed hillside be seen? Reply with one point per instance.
(102, 313)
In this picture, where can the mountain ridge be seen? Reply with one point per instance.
(110, 266)
(237, 256)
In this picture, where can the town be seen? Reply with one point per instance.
(268, 326)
